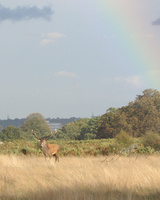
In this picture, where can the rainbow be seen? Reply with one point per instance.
(131, 29)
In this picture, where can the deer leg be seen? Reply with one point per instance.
(56, 158)
(45, 157)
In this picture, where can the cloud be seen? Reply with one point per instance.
(51, 37)
(65, 74)
(156, 22)
(25, 13)
(131, 80)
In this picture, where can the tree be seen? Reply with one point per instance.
(89, 128)
(10, 133)
(136, 118)
(36, 122)
(108, 125)
(79, 130)
(111, 110)
(144, 112)
(69, 132)
(151, 139)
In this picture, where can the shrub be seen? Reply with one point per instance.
(145, 150)
(124, 139)
(151, 139)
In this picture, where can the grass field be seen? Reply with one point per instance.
(78, 178)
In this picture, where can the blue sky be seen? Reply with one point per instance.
(76, 58)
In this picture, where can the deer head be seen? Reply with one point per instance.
(44, 139)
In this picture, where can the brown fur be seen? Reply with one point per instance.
(50, 150)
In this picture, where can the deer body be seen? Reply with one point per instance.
(130, 149)
(48, 150)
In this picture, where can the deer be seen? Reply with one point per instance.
(130, 149)
(48, 150)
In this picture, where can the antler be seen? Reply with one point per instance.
(52, 132)
(35, 135)
(46, 137)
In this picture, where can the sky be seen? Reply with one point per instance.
(76, 58)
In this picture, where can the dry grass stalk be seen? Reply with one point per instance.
(74, 178)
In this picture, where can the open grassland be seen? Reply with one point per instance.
(78, 178)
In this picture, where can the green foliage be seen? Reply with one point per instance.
(36, 122)
(89, 136)
(89, 129)
(136, 118)
(76, 147)
(67, 148)
(20, 147)
(83, 129)
(145, 150)
(10, 133)
(151, 139)
(124, 139)
(106, 125)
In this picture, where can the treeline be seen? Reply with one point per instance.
(136, 119)
(140, 117)
(64, 121)
(11, 122)
(18, 122)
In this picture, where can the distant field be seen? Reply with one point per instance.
(79, 178)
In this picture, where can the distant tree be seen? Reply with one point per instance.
(36, 122)
(10, 133)
(70, 131)
(148, 93)
(136, 118)
(11, 122)
(144, 113)
(89, 129)
(108, 125)
(111, 110)
(83, 129)
(64, 121)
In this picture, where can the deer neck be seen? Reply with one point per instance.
(44, 147)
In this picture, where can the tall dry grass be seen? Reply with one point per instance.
(73, 178)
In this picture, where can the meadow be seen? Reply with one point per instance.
(79, 178)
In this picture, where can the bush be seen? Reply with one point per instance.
(124, 139)
(145, 150)
(151, 139)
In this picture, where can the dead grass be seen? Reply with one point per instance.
(74, 178)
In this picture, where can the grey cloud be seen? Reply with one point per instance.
(25, 13)
(156, 22)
